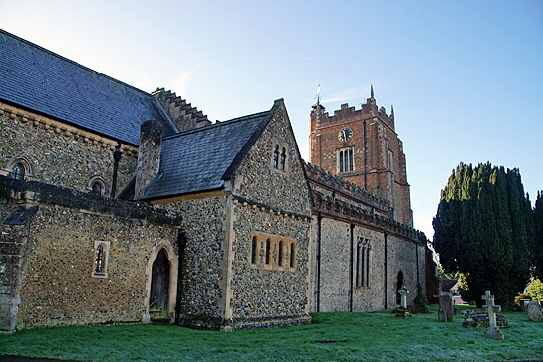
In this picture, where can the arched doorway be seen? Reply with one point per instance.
(158, 301)
(399, 285)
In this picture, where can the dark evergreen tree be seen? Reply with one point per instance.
(538, 240)
(484, 230)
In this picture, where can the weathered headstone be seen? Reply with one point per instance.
(445, 313)
(403, 296)
(492, 331)
(534, 311)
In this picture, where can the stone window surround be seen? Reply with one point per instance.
(345, 154)
(266, 256)
(279, 158)
(24, 162)
(105, 258)
(100, 181)
(363, 263)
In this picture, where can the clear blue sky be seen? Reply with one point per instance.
(465, 77)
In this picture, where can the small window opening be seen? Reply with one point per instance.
(253, 250)
(280, 259)
(283, 159)
(276, 156)
(17, 171)
(268, 251)
(99, 262)
(292, 255)
(96, 188)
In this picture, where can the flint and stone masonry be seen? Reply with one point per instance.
(220, 226)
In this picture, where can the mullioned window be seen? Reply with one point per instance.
(272, 252)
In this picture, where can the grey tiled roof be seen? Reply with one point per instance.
(201, 159)
(42, 81)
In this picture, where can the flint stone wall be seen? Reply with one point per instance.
(257, 180)
(272, 201)
(258, 293)
(202, 273)
(335, 261)
(60, 157)
(51, 256)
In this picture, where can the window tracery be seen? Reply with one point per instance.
(101, 255)
(272, 252)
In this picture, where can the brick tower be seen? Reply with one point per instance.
(362, 147)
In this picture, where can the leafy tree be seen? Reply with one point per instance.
(484, 230)
(535, 290)
(538, 241)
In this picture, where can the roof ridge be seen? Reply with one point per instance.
(38, 47)
(218, 124)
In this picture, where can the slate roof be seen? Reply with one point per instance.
(44, 82)
(202, 159)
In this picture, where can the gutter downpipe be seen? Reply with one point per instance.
(351, 270)
(318, 287)
(116, 158)
(386, 270)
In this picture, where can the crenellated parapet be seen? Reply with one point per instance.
(346, 113)
(334, 182)
(183, 114)
(336, 198)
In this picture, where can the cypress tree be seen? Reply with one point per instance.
(483, 229)
(538, 239)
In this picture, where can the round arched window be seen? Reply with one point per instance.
(17, 171)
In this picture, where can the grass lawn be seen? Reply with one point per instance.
(331, 337)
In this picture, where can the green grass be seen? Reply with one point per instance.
(354, 336)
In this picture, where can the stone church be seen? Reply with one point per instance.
(119, 205)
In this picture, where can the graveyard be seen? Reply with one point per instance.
(339, 336)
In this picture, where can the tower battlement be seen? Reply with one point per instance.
(362, 147)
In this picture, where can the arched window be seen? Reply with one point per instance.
(280, 256)
(271, 252)
(283, 159)
(363, 263)
(268, 244)
(17, 171)
(346, 160)
(253, 250)
(18, 168)
(97, 186)
(101, 251)
(99, 261)
(276, 156)
(292, 255)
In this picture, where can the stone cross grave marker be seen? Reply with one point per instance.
(403, 296)
(492, 331)
(534, 311)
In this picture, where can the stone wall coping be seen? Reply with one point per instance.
(323, 177)
(35, 192)
(339, 210)
(238, 200)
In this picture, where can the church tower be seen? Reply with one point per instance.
(362, 147)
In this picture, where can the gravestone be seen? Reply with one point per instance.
(534, 311)
(403, 296)
(445, 313)
(492, 331)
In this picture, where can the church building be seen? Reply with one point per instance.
(120, 205)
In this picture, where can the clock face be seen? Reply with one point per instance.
(345, 134)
